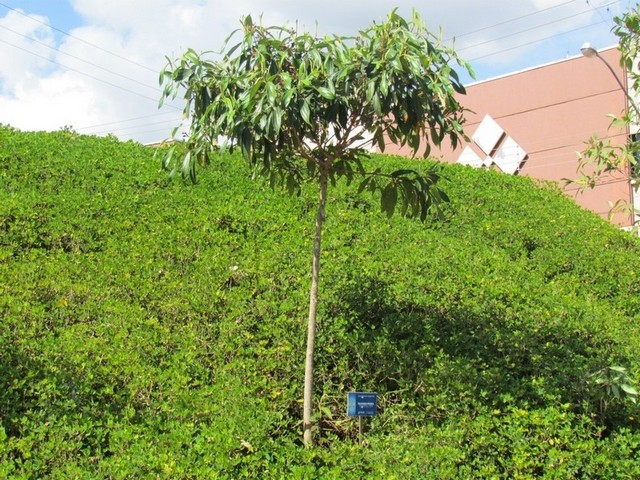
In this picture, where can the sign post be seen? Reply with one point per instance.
(362, 404)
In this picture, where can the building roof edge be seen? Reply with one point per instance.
(535, 67)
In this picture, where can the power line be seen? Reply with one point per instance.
(57, 49)
(608, 5)
(515, 47)
(19, 12)
(519, 32)
(147, 68)
(597, 10)
(86, 74)
(52, 27)
(122, 129)
(510, 20)
(126, 120)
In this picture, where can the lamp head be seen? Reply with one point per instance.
(588, 50)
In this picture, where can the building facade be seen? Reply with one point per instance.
(534, 122)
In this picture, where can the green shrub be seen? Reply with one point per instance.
(154, 330)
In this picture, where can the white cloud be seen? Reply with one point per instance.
(110, 76)
(50, 102)
(19, 34)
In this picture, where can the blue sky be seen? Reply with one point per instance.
(59, 13)
(101, 76)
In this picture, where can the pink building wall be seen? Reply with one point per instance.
(551, 111)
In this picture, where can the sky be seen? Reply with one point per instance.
(93, 65)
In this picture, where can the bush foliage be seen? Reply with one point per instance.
(154, 330)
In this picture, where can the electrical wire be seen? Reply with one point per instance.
(128, 78)
(519, 32)
(514, 19)
(142, 117)
(120, 87)
(57, 49)
(123, 129)
(125, 59)
(177, 108)
(76, 70)
(597, 10)
(526, 44)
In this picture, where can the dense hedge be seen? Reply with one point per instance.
(150, 329)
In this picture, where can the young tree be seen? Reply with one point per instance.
(602, 157)
(303, 108)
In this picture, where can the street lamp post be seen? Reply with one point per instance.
(589, 51)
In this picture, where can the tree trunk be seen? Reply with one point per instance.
(313, 308)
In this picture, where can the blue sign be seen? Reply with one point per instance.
(361, 404)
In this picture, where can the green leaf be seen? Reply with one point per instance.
(277, 121)
(326, 93)
(618, 369)
(371, 90)
(270, 90)
(246, 143)
(168, 157)
(402, 172)
(379, 139)
(186, 165)
(305, 112)
(389, 199)
(292, 185)
(364, 184)
(384, 84)
(615, 390)
(376, 105)
(288, 96)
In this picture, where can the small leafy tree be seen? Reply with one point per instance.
(303, 108)
(603, 157)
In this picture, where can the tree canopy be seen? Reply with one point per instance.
(303, 108)
(292, 101)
